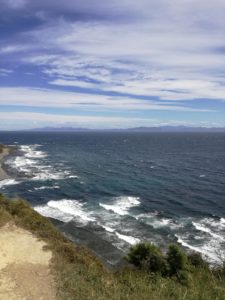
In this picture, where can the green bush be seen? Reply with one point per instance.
(148, 257)
(177, 259)
(195, 259)
(219, 271)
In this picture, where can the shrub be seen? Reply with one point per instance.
(183, 277)
(195, 259)
(219, 271)
(149, 257)
(177, 259)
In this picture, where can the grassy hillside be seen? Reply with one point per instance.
(80, 275)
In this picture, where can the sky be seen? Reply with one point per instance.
(112, 63)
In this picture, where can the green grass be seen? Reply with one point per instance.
(80, 275)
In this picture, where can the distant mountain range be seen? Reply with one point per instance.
(57, 129)
(136, 129)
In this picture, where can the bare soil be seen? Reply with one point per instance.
(24, 266)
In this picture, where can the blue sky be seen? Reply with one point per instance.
(112, 64)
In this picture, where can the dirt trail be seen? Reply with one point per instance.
(24, 266)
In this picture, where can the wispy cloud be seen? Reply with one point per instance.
(5, 72)
(33, 97)
(15, 4)
(139, 59)
(44, 119)
(116, 56)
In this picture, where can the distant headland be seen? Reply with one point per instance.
(134, 129)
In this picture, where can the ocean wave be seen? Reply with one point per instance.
(23, 164)
(46, 187)
(153, 219)
(34, 165)
(8, 182)
(122, 205)
(65, 210)
(48, 175)
(222, 221)
(209, 240)
(31, 152)
(203, 228)
(216, 224)
(107, 228)
(209, 250)
(129, 239)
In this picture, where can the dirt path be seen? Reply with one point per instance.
(24, 266)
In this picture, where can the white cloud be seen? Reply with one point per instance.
(35, 120)
(164, 89)
(171, 51)
(141, 58)
(53, 98)
(5, 72)
(15, 4)
(44, 119)
(13, 48)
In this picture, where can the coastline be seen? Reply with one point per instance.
(6, 151)
(108, 254)
(39, 262)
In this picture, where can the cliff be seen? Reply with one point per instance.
(43, 263)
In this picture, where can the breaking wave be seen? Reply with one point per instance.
(65, 210)
(122, 205)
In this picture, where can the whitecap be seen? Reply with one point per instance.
(107, 228)
(129, 239)
(222, 221)
(64, 210)
(50, 212)
(8, 182)
(203, 228)
(209, 250)
(154, 220)
(31, 152)
(33, 165)
(48, 174)
(46, 187)
(217, 224)
(122, 205)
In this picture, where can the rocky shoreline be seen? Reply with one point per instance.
(4, 152)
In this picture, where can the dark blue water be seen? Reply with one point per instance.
(126, 187)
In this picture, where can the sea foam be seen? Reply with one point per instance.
(122, 205)
(129, 239)
(34, 164)
(65, 210)
(209, 240)
(8, 182)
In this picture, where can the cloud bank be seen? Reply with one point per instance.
(116, 57)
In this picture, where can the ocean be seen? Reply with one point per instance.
(110, 190)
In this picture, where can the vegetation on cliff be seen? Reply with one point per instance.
(150, 275)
